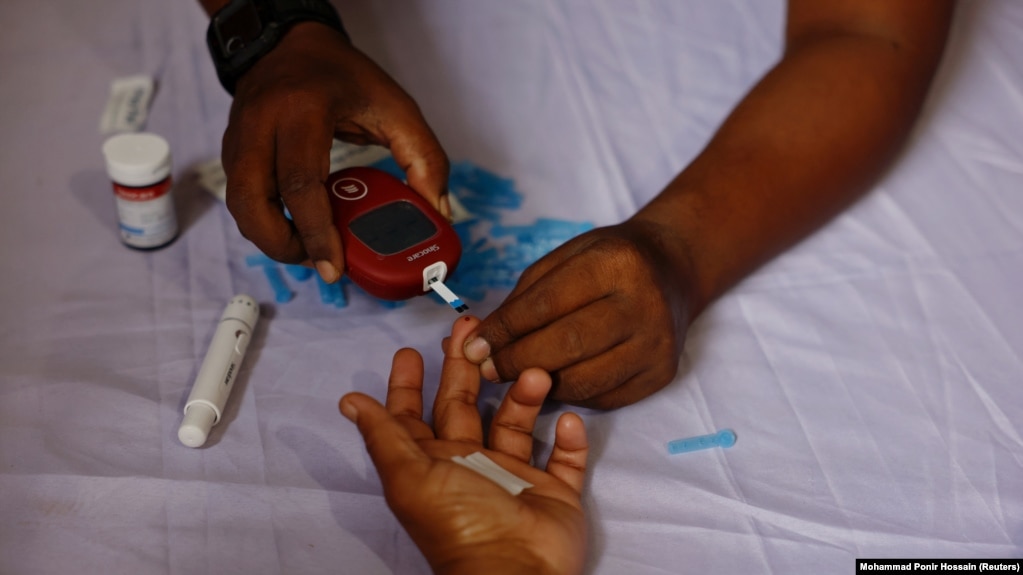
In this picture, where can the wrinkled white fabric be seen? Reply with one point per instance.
(874, 374)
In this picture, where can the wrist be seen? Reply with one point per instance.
(674, 233)
(300, 45)
(242, 32)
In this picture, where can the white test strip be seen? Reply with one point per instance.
(128, 105)
(449, 296)
(486, 467)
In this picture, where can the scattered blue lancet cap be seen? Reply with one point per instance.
(723, 438)
(282, 293)
(331, 294)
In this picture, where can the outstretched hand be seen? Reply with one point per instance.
(460, 520)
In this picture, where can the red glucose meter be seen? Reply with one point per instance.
(396, 244)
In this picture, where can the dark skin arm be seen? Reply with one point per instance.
(607, 312)
(311, 87)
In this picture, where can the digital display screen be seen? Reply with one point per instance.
(393, 227)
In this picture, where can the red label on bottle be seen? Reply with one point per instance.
(142, 194)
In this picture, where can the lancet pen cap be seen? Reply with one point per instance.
(195, 427)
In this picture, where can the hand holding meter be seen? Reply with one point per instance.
(396, 244)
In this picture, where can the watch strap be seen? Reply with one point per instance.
(266, 21)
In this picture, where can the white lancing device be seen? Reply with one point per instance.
(219, 370)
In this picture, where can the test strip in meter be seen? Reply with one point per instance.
(447, 295)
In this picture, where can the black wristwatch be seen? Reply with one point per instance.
(245, 30)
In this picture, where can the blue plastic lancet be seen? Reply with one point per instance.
(723, 438)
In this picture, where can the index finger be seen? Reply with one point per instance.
(303, 163)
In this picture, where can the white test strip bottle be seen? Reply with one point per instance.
(219, 370)
(140, 167)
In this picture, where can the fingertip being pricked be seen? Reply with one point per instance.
(460, 330)
(463, 326)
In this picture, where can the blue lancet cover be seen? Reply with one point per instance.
(723, 438)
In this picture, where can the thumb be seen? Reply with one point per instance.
(394, 452)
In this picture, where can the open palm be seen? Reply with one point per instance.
(459, 519)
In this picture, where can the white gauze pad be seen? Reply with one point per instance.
(487, 468)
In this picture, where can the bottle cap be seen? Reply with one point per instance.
(137, 159)
(195, 427)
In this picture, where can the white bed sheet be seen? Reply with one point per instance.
(873, 374)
